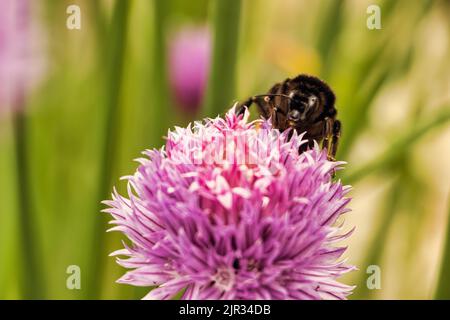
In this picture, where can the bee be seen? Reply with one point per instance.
(305, 104)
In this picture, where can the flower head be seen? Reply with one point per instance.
(21, 59)
(189, 55)
(231, 210)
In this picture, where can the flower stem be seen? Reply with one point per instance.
(443, 285)
(221, 84)
(160, 92)
(32, 277)
(113, 78)
(399, 147)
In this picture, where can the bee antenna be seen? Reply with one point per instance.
(273, 95)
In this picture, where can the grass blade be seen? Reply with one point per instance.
(32, 278)
(443, 285)
(114, 73)
(399, 147)
(221, 85)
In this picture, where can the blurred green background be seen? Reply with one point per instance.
(106, 97)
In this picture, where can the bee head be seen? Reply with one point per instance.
(302, 106)
(309, 97)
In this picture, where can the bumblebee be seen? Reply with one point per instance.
(305, 104)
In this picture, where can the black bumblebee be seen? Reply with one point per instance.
(304, 103)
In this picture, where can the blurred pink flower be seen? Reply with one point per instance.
(189, 56)
(21, 58)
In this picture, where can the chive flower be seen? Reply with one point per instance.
(21, 52)
(189, 59)
(228, 209)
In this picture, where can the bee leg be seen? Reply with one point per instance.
(327, 141)
(241, 106)
(335, 138)
(264, 106)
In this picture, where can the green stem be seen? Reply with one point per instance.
(222, 78)
(443, 285)
(99, 22)
(399, 147)
(160, 91)
(360, 111)
(113, 78)
(32, 278)
(329, 27)
(378, 243)
(372, 75)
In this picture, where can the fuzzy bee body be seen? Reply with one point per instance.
(305, 104)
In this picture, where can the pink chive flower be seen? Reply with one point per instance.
(230, 210)
(189, 56)
(21, 59)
